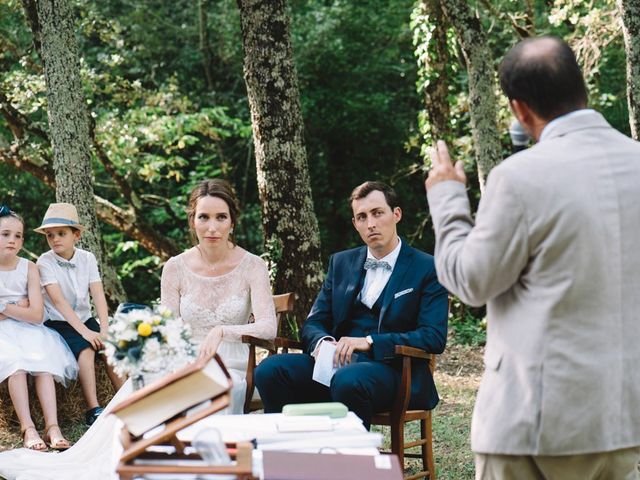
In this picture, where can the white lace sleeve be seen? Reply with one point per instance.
(265, 325)
(170, 285)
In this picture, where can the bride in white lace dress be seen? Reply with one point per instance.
(216, 286)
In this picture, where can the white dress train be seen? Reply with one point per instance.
(93, 457)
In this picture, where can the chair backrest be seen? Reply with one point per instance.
(284, 304)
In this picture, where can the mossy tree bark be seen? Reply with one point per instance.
(481, 72)
(630, 12)
(288, 217)
(53, 30)
(433, 58)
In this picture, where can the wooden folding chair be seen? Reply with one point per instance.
(284, 304)
(399, 415)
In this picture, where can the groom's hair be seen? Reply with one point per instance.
(369, 186)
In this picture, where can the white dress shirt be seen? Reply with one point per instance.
(377, 278)
(374, 282)
(74, 282)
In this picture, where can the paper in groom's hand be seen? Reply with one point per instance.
(323, 370)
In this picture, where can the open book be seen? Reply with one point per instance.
(173, 394)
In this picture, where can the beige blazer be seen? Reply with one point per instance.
(555, 253)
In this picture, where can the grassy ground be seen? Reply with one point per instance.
(457, 377)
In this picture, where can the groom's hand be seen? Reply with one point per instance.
(345, 348)
(442, 168)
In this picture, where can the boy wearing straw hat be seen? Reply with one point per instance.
(69, 275)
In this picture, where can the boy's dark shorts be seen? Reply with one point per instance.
(75, 341)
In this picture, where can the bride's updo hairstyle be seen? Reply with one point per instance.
(216, 187)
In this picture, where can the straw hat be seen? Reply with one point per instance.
(60, 215)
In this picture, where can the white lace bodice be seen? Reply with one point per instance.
(227, 300)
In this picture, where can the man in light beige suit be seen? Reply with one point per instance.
(554, 251)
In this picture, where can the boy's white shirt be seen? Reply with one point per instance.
(74, 282)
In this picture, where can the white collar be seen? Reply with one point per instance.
(549, 127)
(391, 257)
(62, 259)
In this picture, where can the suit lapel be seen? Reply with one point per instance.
(399, 271)
(354, 274)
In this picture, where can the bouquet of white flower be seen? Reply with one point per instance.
(143, 341)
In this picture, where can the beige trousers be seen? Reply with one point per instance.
(615, 465)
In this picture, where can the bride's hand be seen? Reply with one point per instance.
(211, 343)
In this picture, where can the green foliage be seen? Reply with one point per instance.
(156, 134)
(162, 124)
(467, 325)
(357, 78)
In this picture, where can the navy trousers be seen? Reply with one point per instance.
(365, 387)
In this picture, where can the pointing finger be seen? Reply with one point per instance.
(443, 152)
(435, 160)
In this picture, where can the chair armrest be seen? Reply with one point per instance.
(259, 342)
(401, 403)
(283, 342)
(412, 352)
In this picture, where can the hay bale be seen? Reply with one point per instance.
(70, 401)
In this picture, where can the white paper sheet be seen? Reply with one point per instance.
(348, 435)
(299, 423)
(323, 370)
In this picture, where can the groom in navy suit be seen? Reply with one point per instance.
(373, 298)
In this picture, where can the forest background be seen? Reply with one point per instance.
(376, 80)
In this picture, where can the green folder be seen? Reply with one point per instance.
(331, 409)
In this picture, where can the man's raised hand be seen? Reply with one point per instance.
(442, 168)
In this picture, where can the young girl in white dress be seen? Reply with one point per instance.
(216, 285)
(27, 346)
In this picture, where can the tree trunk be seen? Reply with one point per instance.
(53, 30)
(288, 217)
(432, 55)
(630, 12)
(482, 98)
(205, 46)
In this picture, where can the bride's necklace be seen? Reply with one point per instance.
(212, 266)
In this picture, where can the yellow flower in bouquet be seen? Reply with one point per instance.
(144, 329)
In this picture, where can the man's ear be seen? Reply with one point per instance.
(530, 120)
(522, 111)
(397, 213)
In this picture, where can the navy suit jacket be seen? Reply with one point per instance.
(414, 313)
